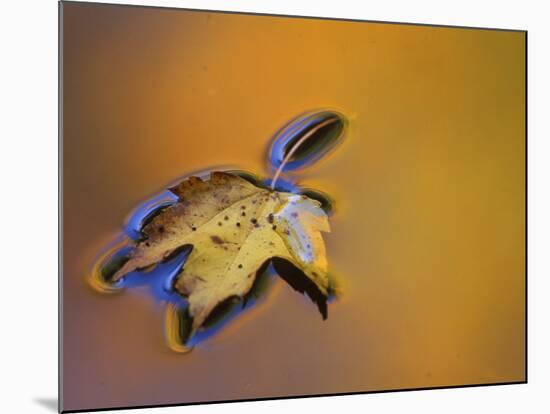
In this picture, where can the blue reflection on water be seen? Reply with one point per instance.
(291, 132)
(141, 214)
(159, 281)
(286, 135)
(284, 185)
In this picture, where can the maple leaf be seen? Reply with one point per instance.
(233, 227)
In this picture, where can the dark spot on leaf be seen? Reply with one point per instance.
(243, 214)
(194, 228)
(238, 224)
(216, 239)
(219, 223)
(243, 207)
(161, 229)
(270, 218)
(144, 226)
(274, 227)
(240, 266)
(226, 218)
(254, 221)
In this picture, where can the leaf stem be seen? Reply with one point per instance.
(296, 146)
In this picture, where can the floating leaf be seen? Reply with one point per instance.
(233, 228)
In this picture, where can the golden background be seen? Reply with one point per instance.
(428, 235)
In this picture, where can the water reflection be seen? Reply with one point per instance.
(321, 131)
(146, 211)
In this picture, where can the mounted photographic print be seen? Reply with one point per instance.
(258, 207)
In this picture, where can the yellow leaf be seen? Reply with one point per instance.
(234, 227)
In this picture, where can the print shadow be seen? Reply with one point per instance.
(49, 403)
